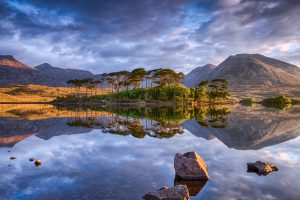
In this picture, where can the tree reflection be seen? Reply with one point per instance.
(157, 122)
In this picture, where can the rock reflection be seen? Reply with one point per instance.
(194, 187)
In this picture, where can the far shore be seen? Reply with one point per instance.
(142, 103)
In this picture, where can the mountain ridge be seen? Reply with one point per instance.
(10, 61)
(201, 72)
(239, 70)
(14, 72)
(253, 69)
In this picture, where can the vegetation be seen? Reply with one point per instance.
(247, 101)
(167, 90)
(295, 101)
(123, 86)
(280, 102)
(158, 122)
(124, 80)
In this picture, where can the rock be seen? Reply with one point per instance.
(194, 186)
(190, 166)
(13, 158)
(31, 159)
(179, 192)
(37, 162)
(261, 168)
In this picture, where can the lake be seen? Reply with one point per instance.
(124, 152)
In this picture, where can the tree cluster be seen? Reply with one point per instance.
(125, 80)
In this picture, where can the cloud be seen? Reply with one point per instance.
(107, 36)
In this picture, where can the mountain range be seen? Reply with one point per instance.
(14, 72)
(238, 70)
(247, 69)
(251, 128)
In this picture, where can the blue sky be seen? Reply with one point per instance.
(104, 36)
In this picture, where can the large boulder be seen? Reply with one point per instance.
(179, 192)
(190, 166)
(261, 168)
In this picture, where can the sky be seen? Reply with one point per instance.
(103, 36)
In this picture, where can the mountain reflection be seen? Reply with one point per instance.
(237, 127)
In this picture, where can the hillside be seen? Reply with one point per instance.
(10, 61)
(62, 75)
(253, 69)
(199, 73)
(14, 72)
(252, 128)
(38, 93)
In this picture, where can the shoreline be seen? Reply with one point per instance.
(119, 103)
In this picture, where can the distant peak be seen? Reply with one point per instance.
(248, 55)
(10, 61)
(45, 66)
(209, 65)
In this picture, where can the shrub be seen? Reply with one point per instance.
(247, 101)
(280, 102)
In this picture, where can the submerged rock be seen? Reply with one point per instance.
(37, 162)
(13, 158)
(190, 166)
(179, 192)
(261, 168)
(31, 159)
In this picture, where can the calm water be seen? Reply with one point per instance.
(123, 153)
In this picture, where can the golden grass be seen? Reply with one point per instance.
(38, 93)
(261, 92)
(42, 111)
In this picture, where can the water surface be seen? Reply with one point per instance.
(123, 153)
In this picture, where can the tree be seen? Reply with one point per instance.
(87, 82)
(111, 82)
(137, 77)
(77, 85)
(218, 90)
(124, 77)
(70, 83)
(203, 84)
(165, 77)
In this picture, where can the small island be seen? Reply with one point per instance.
(160, 86)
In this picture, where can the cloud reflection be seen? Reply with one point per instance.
(97, 165)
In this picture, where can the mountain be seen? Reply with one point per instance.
(62, 75)
(253, 69)
(14, 72)
(251, 128)
(13, 131)
(10, 61)
(199, 73)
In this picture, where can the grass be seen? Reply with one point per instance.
(41, 111)
(38, 93)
